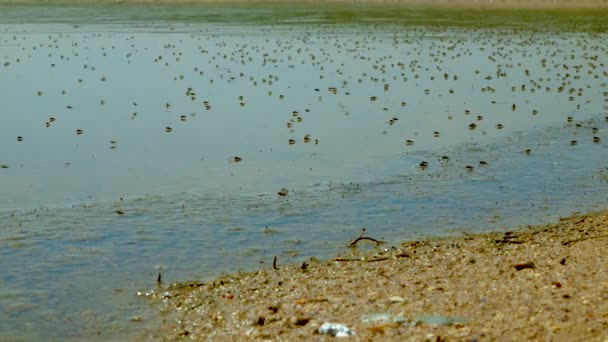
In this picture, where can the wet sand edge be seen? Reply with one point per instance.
(541, 282)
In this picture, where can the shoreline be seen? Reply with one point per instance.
(540, 282)
(440, 4)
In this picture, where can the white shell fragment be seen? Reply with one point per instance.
(336, 330)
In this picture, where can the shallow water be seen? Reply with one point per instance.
(72, 265)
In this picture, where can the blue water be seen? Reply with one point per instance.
(72, 266)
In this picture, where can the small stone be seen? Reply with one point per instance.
(301, 321)
(396, 299)
(336, 330)
(524, 265)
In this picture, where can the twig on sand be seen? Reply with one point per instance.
(567, 242)
(274, 263)
(377, 259)
(517, 242)
(362, 259)
(361, 237)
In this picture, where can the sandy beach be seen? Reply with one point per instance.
(538, 283)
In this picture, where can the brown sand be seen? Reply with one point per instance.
(541, 283)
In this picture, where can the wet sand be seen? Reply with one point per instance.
(537, 283)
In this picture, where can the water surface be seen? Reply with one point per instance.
(120, 129)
